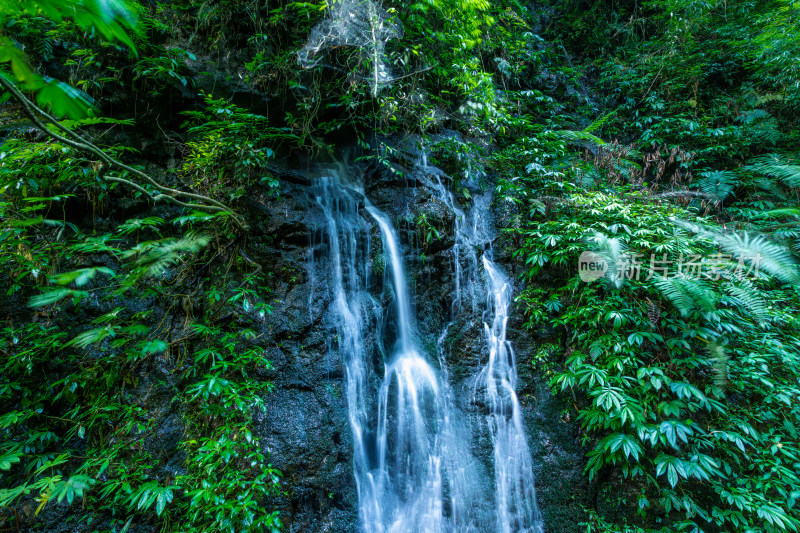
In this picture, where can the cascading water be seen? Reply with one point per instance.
(513, 471)
(349, 248)
(515, 495)
(409, 462)
(413, 458)
(413, 471)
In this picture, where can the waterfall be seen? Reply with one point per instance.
(409, 459)
(515, 494)
(495, 385)
(348, 253)
(414, 461)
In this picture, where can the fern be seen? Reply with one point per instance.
(92, 336)
(53, 296)
(748, 296)
(720, 365)
(718, 184)
(776, 167)
(754, 116)
(783, 212)
(599, 123)
(579, 136)
(762, 253)
(613, 251)
(154, 258)
(94, 121)
(767, 132)
(771, 187)
(687, 294)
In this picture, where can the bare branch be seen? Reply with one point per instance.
(74, 140)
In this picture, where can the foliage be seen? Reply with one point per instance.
(113, 19)
(626, 127)
(668, 358)
(75, 429)
(227, 474)
(163, 69)
(684, 379)
(74, 426)
(230, 149)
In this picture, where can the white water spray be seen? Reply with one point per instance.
(516, 507)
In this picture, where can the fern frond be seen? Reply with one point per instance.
(770, 186)
(746, 295)
(776, 167)
(93, 121)
(755, 115)
(56, 295)
(757, 250)
(687, 294)
(579, 136)
(156, 257)
(720, 363)
(92, 336)
(768, 132)
(718, 184)
(599, 123)
(613, 251)
(783, 212)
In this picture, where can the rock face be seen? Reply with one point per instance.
(305, 428)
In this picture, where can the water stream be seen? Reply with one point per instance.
(416, 463)
(515, 493)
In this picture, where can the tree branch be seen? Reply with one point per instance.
(75, 141)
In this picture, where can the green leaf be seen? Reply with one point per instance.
(92, 336)
(72, 488)
(63, 100)
(151, 347)
(672, 466)
(609, 398)
(8, 459)
(53, 296)
(629, 445)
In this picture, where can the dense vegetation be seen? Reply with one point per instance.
(683, 366)
(661, 135)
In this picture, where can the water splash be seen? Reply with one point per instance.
(349, 245)
(515, 491)
(468, 235)
(414, 466)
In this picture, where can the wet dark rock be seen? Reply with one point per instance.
(304, 428)
(305, 432)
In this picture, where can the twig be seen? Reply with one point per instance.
(74, 140)
(259, 268)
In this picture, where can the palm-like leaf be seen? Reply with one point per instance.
(687, 294)
(758, 250)
(776, 167)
